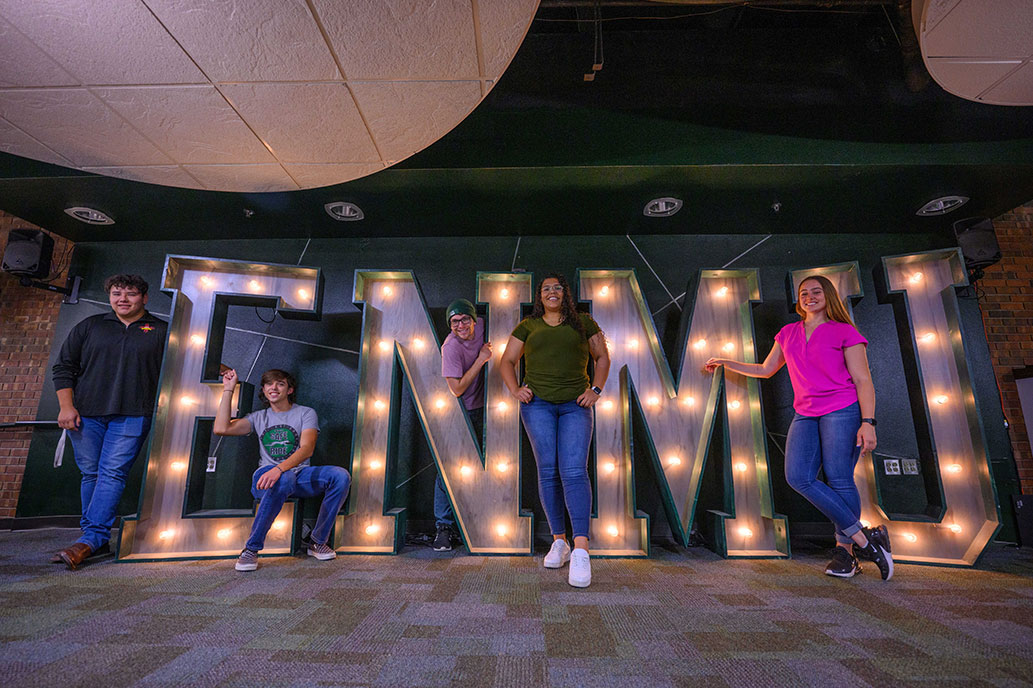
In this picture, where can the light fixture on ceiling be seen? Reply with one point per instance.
(662, 207)
(942, 205)
(89, 216)
(343, 211)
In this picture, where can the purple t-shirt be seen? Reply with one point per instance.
(457, 355)
(817, 368)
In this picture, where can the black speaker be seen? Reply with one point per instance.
(978, 242)
(1024, 518)
(28, 253)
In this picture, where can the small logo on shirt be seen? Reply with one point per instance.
(280, 441)
(146, 328)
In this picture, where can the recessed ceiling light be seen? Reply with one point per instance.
(942, 205)
(662, 207)
(345, 212)
(89, 216)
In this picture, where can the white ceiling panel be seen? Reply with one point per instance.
(503, 25)
(244, 178)
(103, 41)
(968, 78)
(56, 118)
(24, 64)
(165, 175)
(403, 114)
(250, 40)
(305, 122)
(191, 124)
(314, 175)
(412, 39)
(16, 142)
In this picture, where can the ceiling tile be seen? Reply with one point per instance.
(503, 27)
(15, 141)
(1017, 89)
(975, 28)
(256, 40)
(165, 175)
(315, 175)
(24, 64)
(243, 178)
(401, 39)
(305, 122)
(103, 42)
(76, 123)
(408, 116)
(192, 124)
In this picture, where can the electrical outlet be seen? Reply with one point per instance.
(909, 466)
(891, 466)
(212, 460)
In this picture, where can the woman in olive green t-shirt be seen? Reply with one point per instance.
(556, 401)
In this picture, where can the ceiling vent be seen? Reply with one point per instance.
(942, 206)
(662, 207)
(345, 212)
(89, 216)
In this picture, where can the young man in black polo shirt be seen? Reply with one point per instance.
(106, 377)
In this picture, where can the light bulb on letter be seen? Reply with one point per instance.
(373, 528)
(609, 467)
(501, 530)
(502, 466)
(504, 293)
(699, 344)
(734, 404)
(941, 399)
(632, 343)
(178, 465)
(607, 405)
(954, 468)
(502, 407)
(653, 401)
(928, 337)
(954, 528)
(166, 534)
(224, 533)
(417, 343)
(910, 537)
(745, 532)
(728, 348)
(439, 403)
(254, 285)
(604, 291)
(915, 278)
(465, 471)
(673, 461)
(612, 531)
(689, 401)
(375, 465)
(741, 467)
(384, 345)
(197, 339)
(386, 290)
(303, 294)
(723, 291)
(279, 524)
(379, 405)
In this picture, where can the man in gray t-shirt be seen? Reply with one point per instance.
(287, 434)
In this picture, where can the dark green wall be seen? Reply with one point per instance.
(446, 268)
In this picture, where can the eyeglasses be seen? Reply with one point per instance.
(466, 320)
(552, 287)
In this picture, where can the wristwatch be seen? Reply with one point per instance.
(597, 390)
(870, 421)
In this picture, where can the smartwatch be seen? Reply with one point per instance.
(870, 421)
(597, 390)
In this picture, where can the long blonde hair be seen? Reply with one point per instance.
(834, 308)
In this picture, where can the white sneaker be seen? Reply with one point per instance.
(580, 575)
(558, 555)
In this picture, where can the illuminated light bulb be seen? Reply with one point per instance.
(501, 530)
(303, 294)
(689, 401)
(941, 399)
(673, 461)
(609, 466)
(741, 467)
(465, 471)
(734, 404)
(745, 532)
(728, 348)
(954, 468)
(254, 285)
(279, 524)
(632, 343)
(866, 524)
(375, 465)
(607, 405)
(915, 278)
(610, 345)
(373, 528)
(379, 405)
(504, 293)
(502, 466)
(605, 291)
(187, 401)
(653, 401)
(384, 345)
(178, 465)
(723, 291)
(954, 528)
(166, 534)
(197, 339)
(910, 537)
(439, 403)
(928, 337)
(502, 407)
(386, 290)
(417, 343)
(612, 531)
(699, 344)
(207, 281)
(224, 533)
(502, 349)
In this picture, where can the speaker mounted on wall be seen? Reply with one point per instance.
(28, 253)
(978, 243)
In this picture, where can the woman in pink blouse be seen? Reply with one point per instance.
(834, 401)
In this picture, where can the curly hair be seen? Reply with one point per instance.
(275, 375)
(567, 307)
(127, 281)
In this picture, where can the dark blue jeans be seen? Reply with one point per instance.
(560, 436)
(827, 442)
(105, 447)
(311, 481)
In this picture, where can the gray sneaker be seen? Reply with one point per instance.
(321, 552)
(247, 561)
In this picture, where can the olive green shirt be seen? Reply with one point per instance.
(556, 358)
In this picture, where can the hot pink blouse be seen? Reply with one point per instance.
(817, 368)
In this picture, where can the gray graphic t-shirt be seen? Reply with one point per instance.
(279, 434)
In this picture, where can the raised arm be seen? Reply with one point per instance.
(223, 424)
(458, 385)
(771, 365)
(508, 370)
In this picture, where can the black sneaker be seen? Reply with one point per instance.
(442, 539)
(843, 564)
(878, 550)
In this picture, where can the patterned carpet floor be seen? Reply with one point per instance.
(680, 618)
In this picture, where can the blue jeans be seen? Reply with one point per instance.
(105, 447)
(560, 436)
(311, 481)
(444, 517)
(827, 442)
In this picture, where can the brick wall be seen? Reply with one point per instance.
(27, 320)
(1007, 304)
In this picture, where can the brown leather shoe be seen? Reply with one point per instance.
(99, 552)
(75, 555)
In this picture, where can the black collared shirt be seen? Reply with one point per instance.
(112, 368)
